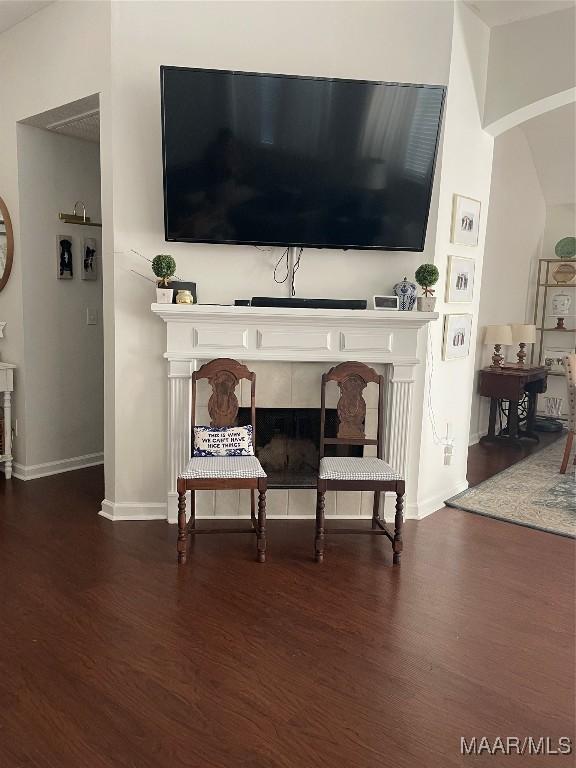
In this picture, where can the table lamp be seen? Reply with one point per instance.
(522, 335)
(498, 335)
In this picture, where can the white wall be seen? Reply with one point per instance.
(552, 140)
(560, 222)
(530, 60)
(466, 170)
(40, 73)
(407, 41)
(63, 356)
(513, 244)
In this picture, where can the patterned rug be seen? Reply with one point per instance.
(530, 493)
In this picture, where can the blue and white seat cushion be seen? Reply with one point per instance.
(223, 441)
(356, 468)
(217, 467)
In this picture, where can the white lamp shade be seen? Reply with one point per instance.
(525, 334)
(498, 334)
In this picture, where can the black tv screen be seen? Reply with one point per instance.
(266, 159)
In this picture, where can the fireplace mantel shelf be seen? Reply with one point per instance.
(185, 313)
(202, 332)
(277, 333)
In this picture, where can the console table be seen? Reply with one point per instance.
(513, 385)
(6, 388)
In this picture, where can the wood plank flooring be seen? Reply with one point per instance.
(113, 657)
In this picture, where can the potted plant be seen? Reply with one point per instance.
(426, 276)
(164, 268)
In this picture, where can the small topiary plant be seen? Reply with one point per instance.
(164, 268)
(426, 276)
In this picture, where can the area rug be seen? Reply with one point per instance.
(531, 493)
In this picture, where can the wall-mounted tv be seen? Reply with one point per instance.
(261, 159)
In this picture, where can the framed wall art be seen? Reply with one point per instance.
(553, 359)
(465, 220)
(460, 279)
(89, 266)
(64, 257)
(456, 339)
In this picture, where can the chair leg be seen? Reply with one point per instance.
(397, 544)
(261, 530)
(567, 449)
(192, 521)
(376, 509)
(253, 510)
(319, 540)
(182, 544)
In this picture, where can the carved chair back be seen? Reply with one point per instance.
(224, 375)
(352, 379)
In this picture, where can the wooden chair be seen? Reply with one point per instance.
(343, 473)
(223, 472)
(570, 368)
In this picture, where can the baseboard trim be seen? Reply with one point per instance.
(132, 510)
(476, 437)
(35, 471)
(140, 510)
(421, 509)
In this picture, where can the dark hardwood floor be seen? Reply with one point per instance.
(485, 460)
(111, 656)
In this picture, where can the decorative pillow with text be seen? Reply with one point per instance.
(223, 441)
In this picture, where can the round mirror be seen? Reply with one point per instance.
(6, 244)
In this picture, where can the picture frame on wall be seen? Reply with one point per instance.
(64, 257)
(465, 220)
(460, 279)
(89, 265)
(456, 338)
(553, 359)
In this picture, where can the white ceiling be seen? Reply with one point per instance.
(496, 12)
(493, 12)
(12, 12)
(552, 141)
(80, 119)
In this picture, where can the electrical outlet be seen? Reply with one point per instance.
(91, 316)
(448, 450)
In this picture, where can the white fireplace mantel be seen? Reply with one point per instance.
(202, 332)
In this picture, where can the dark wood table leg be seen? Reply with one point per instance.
(491, 434)
(531, 417)
(492, 417)
(512, 426)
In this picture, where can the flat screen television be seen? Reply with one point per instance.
(262, 159)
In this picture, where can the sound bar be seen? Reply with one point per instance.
(295, 303)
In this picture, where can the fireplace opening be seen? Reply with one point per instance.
(288, 443)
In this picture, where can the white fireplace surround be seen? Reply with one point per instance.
(202, 332)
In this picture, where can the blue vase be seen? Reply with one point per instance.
(406, 292)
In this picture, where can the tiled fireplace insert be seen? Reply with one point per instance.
(287, 443)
